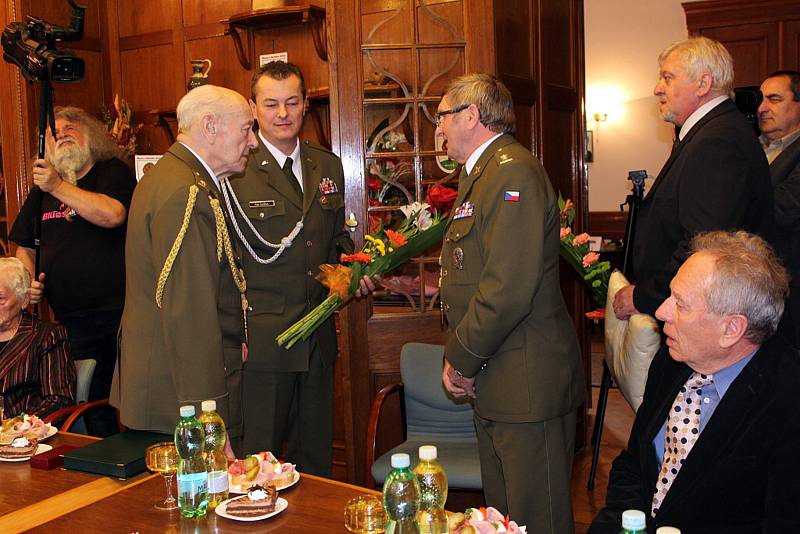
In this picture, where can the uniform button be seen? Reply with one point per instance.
(309, 243)
(447, 239)
(249, 308)
(261, 215)
(458, 235)
(323, 200)
(444, 272)
(310, 273)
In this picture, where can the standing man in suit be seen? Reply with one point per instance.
(779, 121)
(291, 195)
(713, 449)
(182, 323)
(716, 177)
(511, 344)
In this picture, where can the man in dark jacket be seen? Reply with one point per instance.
(713, 449)
(716, 178)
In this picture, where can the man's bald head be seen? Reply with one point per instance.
(217, 124)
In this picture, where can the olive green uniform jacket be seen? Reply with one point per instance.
(189, 349)
(509, 327)
(283, 291)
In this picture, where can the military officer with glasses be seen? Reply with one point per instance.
(511, 347)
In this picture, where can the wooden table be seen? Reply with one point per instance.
(72, 502)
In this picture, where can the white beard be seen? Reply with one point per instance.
(70, 158)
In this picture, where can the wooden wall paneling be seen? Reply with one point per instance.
(791, 55)
(754, 48)
(109, 38)
(200, 12)
(346, 136)
(560, 60)
(147, 16)
(480, 35)
(15, 124)
(712, 13)
(225, 70)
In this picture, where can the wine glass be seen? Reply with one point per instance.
(163, 458)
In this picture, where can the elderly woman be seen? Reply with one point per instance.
(37, 374)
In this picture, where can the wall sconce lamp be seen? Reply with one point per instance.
(600, 117)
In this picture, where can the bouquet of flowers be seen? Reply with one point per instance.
(575, 249)
(117, 119)
(383, 252)
(482, 521)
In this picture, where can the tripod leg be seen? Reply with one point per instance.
(597, 434)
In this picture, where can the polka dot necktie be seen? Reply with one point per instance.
(683, 428)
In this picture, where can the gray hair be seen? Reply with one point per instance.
(204, 100)
(101, 145)
(490, 96)
(701, 55)
(748, 280)
(17, 277)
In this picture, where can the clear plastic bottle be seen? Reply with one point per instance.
(192, 476)
(633, 522)
(214, 451)
(433, 492)
(401, 497)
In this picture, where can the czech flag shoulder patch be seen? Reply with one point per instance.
(511, 196)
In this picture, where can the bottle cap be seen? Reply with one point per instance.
(400, 460)
(634, 520)
(209, 405)
(187, 411)
(668, 530)
(427, 452)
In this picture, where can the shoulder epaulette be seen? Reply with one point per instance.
(321, 148)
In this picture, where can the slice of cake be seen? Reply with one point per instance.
(258, 501)
(21, 447)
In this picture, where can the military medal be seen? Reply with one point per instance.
(458, 258)
(327, 186)
(464, 210)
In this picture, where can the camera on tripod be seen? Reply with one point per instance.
(32, 47)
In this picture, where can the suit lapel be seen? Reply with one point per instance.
(732, 412)
(786, 161)
(724, 107)
(273, 175)
(311, 178)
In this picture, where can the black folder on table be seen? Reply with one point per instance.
(120, 455)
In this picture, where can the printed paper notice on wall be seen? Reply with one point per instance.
(269, 58)
(144, 164)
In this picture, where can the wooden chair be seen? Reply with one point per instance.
(430, 417)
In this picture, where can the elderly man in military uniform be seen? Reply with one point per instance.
(288, 210)
(511, 344)
(182, 323)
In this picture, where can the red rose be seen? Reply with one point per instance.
(441, 198)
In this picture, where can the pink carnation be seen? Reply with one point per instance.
(580, 239)
(564, 233)
(590, 259)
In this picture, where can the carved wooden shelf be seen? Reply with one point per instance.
(276, 17)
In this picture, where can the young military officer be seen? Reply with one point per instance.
(292, 195)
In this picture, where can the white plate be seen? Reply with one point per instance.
(51, 431)
(240, 488)
(280, 505)
(40, 449)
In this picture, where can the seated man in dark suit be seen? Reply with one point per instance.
(714, 445)
(716, 178)
(779, 120)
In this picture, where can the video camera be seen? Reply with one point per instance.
(32, 47)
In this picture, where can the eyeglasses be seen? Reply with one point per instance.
(437, 117)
